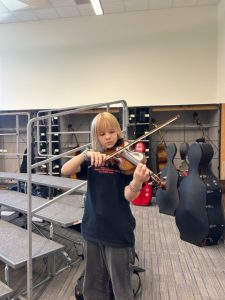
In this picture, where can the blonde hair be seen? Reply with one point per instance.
(103, 121)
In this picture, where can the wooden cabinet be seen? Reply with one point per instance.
(222, 143)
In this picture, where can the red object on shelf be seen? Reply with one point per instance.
(145, 195)
(140, 147)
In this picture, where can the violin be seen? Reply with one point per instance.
(131, 159)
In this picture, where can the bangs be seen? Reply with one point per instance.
(105, 125)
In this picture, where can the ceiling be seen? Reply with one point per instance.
(57, 9)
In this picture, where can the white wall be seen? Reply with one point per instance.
(221, 51)
(147, 58)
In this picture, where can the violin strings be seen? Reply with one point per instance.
(155, 177)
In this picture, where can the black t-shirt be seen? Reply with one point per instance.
(107, 215)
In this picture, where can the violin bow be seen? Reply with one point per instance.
(143, 136)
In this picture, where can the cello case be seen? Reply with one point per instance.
(184, 165)
(199, 215)
(168, 198)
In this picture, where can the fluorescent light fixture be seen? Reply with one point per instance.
(14, 4)
(97, 7)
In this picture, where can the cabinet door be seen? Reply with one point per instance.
(222, 143)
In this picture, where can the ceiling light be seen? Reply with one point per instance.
(14, 4)
(97, 7)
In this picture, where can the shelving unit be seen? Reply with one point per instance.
(48, 144)
(139, 124)
(55, 145)
(55, 135)
(12, 139)
(185, 129)
(222, 143)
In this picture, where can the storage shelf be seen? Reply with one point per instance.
(47, 125)
(194, 127)
(186, 129)
(185, 108)
(46, 142)
(187, 126)
(139, 124)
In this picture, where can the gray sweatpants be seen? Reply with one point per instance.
(104, 263)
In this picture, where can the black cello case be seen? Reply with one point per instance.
(199, 215)
(184, 165)
(167, 199)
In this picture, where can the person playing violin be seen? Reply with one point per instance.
(108, 224)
